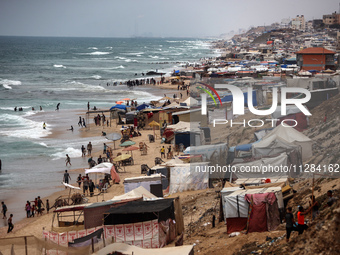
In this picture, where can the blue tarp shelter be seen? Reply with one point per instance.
(119, 106)
(142, 107)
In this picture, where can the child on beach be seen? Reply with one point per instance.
(162, 152)
(32, 211)
(4, 210)
(28, 209)
(47, 205)
(10, 223)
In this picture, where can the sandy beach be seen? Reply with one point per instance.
(16, 203)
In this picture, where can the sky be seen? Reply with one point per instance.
(161, 18)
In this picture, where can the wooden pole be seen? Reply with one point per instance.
(26, 252)
(92, 245)
(103, 239)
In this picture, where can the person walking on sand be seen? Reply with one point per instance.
(67, 177)
(79, 180)
(47, 205)
(88, 106)
(28, 209)
(68, 160)
(162, 152)
(79, 122)
(83, 151)
(40, 204)
(84, 123)
(89, 149)
(57, 109)
(10, 223)
(4, 210)
(44, 125)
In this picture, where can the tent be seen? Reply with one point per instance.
(257, 208)
(148, 224)
(292, 112)
(142, 107)
(190, 101)
(144, 181)
(136, 193)
(93, 213)
(119, 106)
(100, 168)
(289, 135)
(264, 167)
(194, 176)
(131, 249)
(215, 154)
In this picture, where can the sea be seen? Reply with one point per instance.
(44, 71)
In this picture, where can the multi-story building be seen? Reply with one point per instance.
(299, 23)
(331, 19)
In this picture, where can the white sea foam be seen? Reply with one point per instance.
(78, 86)
(92, 48)
(73, 153)
(24, 128)
(134, 53)
(117, 67)
(99, 53)
(8, 83)
(131, 60)
(97, 77)
(59, 66)
(153, 56)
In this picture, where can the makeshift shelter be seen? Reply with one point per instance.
(148, 224)
(188, 134)
(215, 154)
(119, 106)
(288, 135)
(194, 176)
(142, 107)
(190, 101)
(265, 167)
(292, 113)
(135, 250)
(254, 209)
(144, 181)
(93, 213)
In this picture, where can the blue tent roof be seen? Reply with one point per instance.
(142, 107)
(119, 106)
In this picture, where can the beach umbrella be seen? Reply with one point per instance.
(113, 137)
(131, 148)
(154, 124)
(122, 157)
(119, 102)
(126, 99)
(127, 143)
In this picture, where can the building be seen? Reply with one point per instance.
(299, 23)
(317, 58)
(331, 19)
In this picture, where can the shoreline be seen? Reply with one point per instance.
(58, 132)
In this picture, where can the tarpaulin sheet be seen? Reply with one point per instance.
(236, 224)
(188, 177)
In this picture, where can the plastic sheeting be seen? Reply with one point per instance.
(188, 177)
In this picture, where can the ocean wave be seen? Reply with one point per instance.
(120, 58)
(78, 86)
(97, 77)
(23, 128)
(131, 60)
(153, 56)
(92, 48)
(134, 53)
(116, 67)
(73, 153)
(8, 83)
(59, 66)
(96, 53)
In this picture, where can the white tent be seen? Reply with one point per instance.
(100, 168)
(190, 101)
(139, 192)
(235, 205)
(271, 146)
(131, 249)
(290, 135)
(194, 176)
(263, 168)
(183, 126)
(144, 181)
